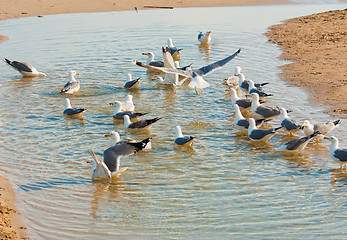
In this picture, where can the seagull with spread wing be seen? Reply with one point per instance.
(196, 76)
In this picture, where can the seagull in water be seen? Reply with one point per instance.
(197, 82)
(72, 85)
(111, 164)
(139, 125)
(243, 85)
(183, 140)
(323, 128)
(132, 84)
(204, 37)
(287, 123)
(337, 154)
(119, 114)
(115, 139)
(256, 134)
(173, 50)
(243, 103)
(70, 111)
(297, 145)
(242, 123)
(128, 104)
(253, 89)
(26, 69)
(260, 111)
(151, 62)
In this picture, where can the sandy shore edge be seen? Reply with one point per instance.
(316, 45)
(11, 224)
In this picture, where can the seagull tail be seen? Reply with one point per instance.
(263, 84)
(8, 61)
(275, 129)
(336, 122)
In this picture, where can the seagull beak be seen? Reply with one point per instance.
(326, 137)
(277, 107)
(241, 68)
(303, 125)
(111, 103)
(247, 95)
(235, 75)
(107, 135)
(227, 90)
(209, 31)
(77, 74)
(144, 53)
(88, 161)
(245, 80)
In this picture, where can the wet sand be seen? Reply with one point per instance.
(316, 44)
(11, 225)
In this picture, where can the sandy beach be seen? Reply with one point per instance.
(316, 44)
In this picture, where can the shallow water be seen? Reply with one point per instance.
(226, 187)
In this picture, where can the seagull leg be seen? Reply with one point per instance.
(201, 92)
(196, 91)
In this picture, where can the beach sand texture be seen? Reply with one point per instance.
(317, 45)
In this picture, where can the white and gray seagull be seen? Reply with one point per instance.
(72, 85)
(139, 125)
(151, 61)
(256, 134)
(323, 128)
(111, 164)
(119, 114)
(70, 111)
(196, 76)
(297, 145)
(260, 111)
(26, 69)
(337, 154)
(241, 123)
(132, 84)
(183, 140)
(204, 37)
(287, 123)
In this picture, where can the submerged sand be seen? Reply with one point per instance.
(317, 45)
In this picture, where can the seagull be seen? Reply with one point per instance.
(337, 154)
(151, 62)
(69, 111)
(26, 69)
(256, 134)
(244, 103)
(110, 166)
(115, 139)
(197, 82)
(119, 115)
(287, 123)
(132, 84)
(204, 38)
(72, 85)
(139, 125)
(323, 128)
(128, 104)
(260, 111)
(231, 82)
(297, 145)
(183, 140)
(253, 89)
(242, 123)
(173, 50)
(243, 85)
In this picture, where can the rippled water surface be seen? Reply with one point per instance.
(226, 187)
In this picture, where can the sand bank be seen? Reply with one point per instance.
(28, 8)
(11, 225)
(317, 45)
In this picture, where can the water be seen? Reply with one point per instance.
(227, 187)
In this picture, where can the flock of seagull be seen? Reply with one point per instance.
(254, 107)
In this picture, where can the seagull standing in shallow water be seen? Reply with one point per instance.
(72, 85)
(256, 134)
(26, 69)
(296, 145)
(337, 154)
(323, 128)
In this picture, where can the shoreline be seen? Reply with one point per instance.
(316, 46)
(27, 8)
(11, 224)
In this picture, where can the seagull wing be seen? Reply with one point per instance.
(22, 67)
(168, 60)
(205, 70)
(183, 73)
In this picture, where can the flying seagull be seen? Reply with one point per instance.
(26, 69)
(197, 82)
